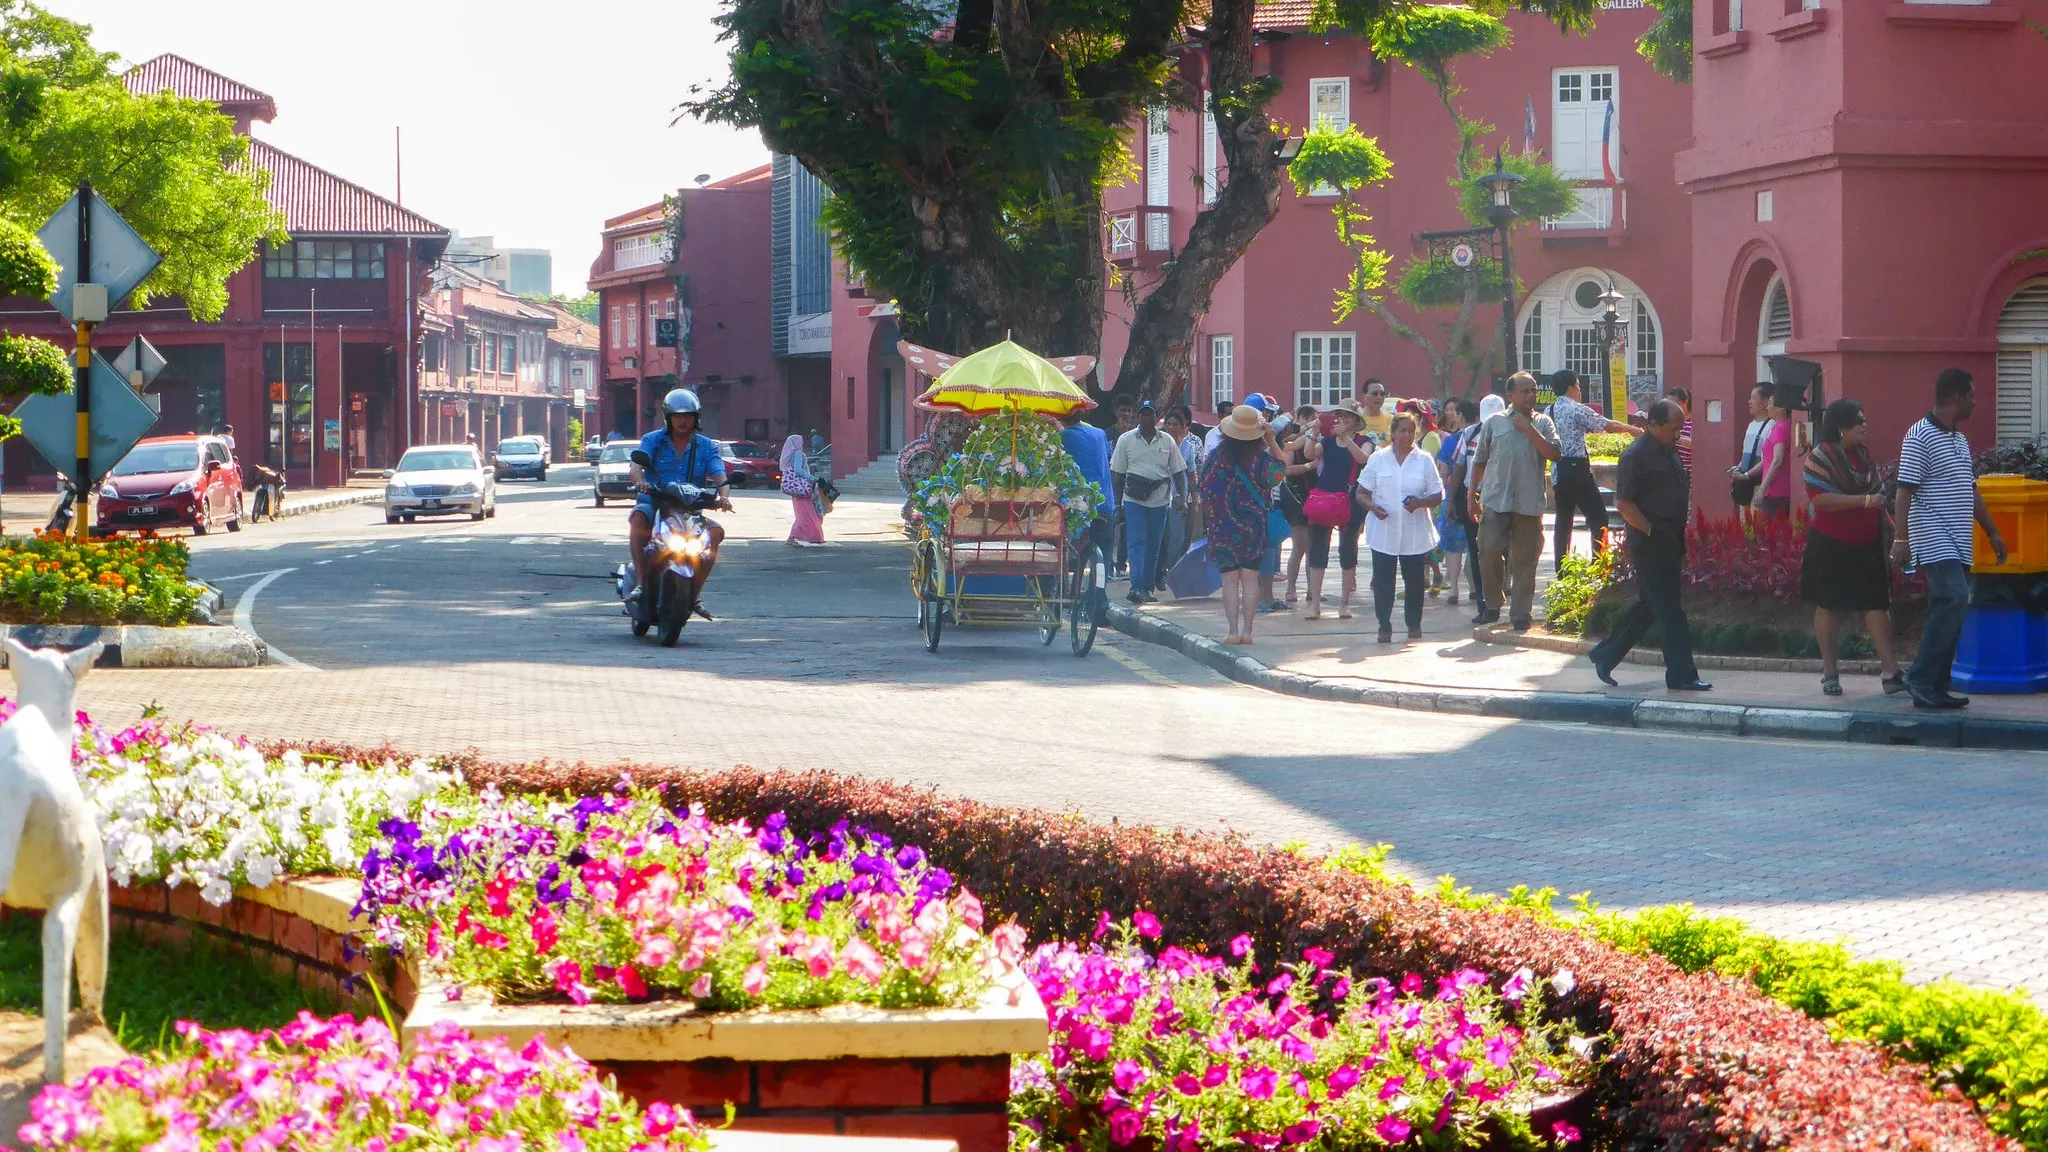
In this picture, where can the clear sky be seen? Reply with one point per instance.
(523, 121)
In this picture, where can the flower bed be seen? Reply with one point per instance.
(342, 1084)
(1008, 452)
(51, 579)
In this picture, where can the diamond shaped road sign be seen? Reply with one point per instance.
(121, 259)
(119, 419)
(139, 360)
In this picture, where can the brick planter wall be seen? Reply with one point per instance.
(294, 928)
(963, 1099)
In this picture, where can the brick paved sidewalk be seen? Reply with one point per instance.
(1449, 656)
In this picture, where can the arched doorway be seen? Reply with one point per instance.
(1557, 329)
(2023, 364)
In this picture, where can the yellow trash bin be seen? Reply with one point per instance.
(2019, 507)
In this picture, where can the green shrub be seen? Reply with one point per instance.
(1571, 596)
(1607, 445)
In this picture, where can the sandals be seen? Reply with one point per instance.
(1344, 613)
(1315, 613)
(1894, 683)
(1831, 684)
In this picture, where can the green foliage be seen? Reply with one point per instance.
(1438, 283)
(1349, 162)
(150, 987)
(29, 366)
(50, 47)
(582, 307)
(1542, 192)
(575, 437)
(1607, 445)
(25, 268)
(1668, 43)
(1579, 583)
(1570, 15)
(1430, 36)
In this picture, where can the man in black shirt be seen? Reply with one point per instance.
(1652, 492)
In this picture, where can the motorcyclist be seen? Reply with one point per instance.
(681, 454)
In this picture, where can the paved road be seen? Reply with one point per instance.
(506, 636)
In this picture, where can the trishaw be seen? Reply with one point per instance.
(1006, 559)
(998, 547)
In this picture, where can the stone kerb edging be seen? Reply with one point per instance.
(147, 645)
(851, 1070)
(1651, 658)
(1934, 730)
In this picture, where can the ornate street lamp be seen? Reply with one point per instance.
(1500, 185)
(1613, 332)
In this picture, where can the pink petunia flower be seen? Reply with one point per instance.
(862, 961)
(1146, 923)
(631, 983)
(755, 981)
(1393, 1129)
(1240, 945)
(1259, 1083)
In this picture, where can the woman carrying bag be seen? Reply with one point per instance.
(1237, 498)
(1330, 507)
(1845, 570)
(802, 490)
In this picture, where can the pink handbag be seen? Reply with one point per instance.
(1327, 509)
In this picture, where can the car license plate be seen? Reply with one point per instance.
(146, 510)
(431, 504)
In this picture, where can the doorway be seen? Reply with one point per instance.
(889, 396)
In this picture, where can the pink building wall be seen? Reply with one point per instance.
(726, 257)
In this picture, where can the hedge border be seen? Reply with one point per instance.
(1698, 1061)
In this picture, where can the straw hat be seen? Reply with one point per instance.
(1348, 407)
(1243, 423)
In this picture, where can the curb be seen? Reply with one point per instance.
(148, 646)
(1929, 731)
(324, 503)
(1652, 658)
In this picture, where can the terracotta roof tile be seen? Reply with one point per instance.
(177, 74)
(1279, 14)
(316, 202)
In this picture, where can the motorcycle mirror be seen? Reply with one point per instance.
(641, 458)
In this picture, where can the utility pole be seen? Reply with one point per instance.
(81, 384)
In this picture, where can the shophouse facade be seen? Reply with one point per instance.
(484, 371)
(312, 361)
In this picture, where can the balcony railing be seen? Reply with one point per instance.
(1602, 211)
(1142, 235)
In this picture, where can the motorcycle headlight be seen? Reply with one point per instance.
(183, 487)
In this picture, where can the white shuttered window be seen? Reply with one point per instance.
(1158, 179)
(2023, 364)
(1212, 159)
(1222, 369)
(1325, 367)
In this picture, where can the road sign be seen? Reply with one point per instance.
(139, 363)
(121, 259)
(665, 333)
(579, 398)
(119, 419)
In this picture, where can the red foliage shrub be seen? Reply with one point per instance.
(1697, 1062)
(1761, 559)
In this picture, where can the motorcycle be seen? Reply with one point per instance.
(681, 544)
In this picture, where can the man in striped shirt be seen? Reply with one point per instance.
(1937, 502)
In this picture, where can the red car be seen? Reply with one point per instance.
(751, 465)
(173, 482)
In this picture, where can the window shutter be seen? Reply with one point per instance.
(1158, 178)
(2023, 364)
(1532, 340)
(1212, 160)
(1778, 319)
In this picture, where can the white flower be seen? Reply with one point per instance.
(217, 892)
(1582, 1045)
(1564, 981)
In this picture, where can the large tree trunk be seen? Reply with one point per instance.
(1164, 324)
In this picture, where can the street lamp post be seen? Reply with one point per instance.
(1500, 185)
(1613, 338)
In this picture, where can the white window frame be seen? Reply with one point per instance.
(1647, 353)
(1591, 114)
(1212, 156)
(1317, 87)
(1319, 378)
(1532, 339)
(1765, 346)
(1158, 228)
(1222, 370)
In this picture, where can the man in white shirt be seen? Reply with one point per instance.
(1214, 440)
(1146, 468)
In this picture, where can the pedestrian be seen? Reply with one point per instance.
(1237, 497)
(1126, 419)
(1213, 442)
(1147, 468)
(808, 526)
(1577, 492)
(1183, 522)
(1845, 569)
(1293, 504)
(1937, 500)
(1507, 500)
(1400, 490)
(1453, 539)
(228, 434)
(1490, 405)
(1430, 439)
(1774, 479)
(1684, 399)
(1652, 492)
(1377, 422)
(1749, 469)
(1331, 507)
(1089, 448)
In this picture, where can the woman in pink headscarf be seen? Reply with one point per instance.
(802, 489)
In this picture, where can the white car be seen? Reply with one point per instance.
(438, 480)
(613, 477)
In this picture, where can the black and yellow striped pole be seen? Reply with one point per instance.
(82, 385)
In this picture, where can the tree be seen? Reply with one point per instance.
(967, 150)
(1668, 43)
(582, 307)
(1430, 39)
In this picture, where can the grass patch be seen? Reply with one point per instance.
(152, 986)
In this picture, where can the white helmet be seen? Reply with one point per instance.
(680, 401)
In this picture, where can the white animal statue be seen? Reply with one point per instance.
(51, 855)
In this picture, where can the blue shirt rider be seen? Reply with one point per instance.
(681, 454)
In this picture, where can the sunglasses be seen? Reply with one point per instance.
(1376, 393)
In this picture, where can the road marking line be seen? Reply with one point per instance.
(1145, 671)
(245, 611)
(244, 575)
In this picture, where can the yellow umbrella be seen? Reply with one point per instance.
(1004, 378)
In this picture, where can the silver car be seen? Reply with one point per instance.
(613, 477)
(439, 480)
(521, 457)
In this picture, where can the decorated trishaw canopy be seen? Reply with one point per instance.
(1004, 378)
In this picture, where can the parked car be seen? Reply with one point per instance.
(173, 482)
(593, 448)
(438, 480)
(749, 465)
(613, 477)
(520, 457)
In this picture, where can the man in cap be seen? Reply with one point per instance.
(1146, 467)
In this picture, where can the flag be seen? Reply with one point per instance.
(1607, 144)
(1529, 126)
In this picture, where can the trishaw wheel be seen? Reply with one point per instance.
(1083, 597)
(931, 603)
(934, 623)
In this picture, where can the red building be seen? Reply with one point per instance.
(1869, 182)
(715, 287)
(312, 363)
(485, 366)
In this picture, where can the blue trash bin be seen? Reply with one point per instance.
(2004, 651)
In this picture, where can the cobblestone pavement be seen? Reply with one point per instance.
(506, 636)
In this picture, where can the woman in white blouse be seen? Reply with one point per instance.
(1400, 490)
